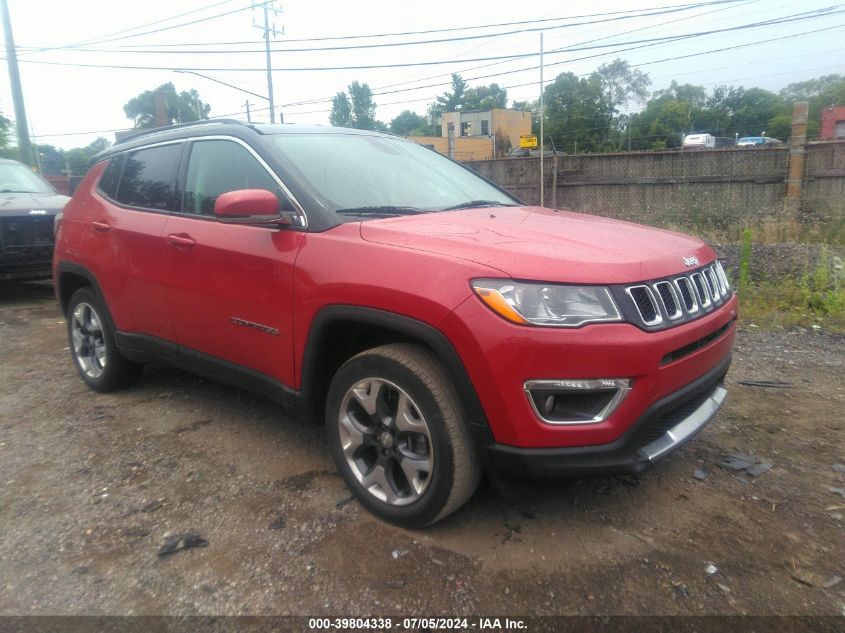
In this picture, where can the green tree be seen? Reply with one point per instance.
(665, 119)
(5, 128)
(341, 115)
(745, 111)
(363, 106)
(357, 109)
(485, 98)
(79, 159)
(449, 101)
(181, 107)
(821, 92)
(51, 159)
(574, 114)
(407, 122)
(620, 85)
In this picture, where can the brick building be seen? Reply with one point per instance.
(833, 123)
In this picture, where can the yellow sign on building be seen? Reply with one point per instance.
(527, 141)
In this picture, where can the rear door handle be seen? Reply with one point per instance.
(181, 240)
(100, 227)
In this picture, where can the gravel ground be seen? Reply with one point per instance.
(93, 485)
(773, 262)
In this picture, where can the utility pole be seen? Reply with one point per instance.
(24, 144)
(248, 118)
(269, 64)
(542, 113)
(268, 31)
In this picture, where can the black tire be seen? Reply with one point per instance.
(96, 358)
(402, 370)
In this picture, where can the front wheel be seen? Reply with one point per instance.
(397, 435)
(92, 344)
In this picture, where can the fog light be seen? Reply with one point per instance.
(576, 401)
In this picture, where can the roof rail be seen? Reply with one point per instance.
(133, 135)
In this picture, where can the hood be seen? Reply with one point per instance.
(21, 204)
(532, 243)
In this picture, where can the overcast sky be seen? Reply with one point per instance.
(69, 106)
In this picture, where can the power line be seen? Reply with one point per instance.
(531, 83)
(411, 43)
(161, 30)
(665, 39)
(134, 28)
(429, 31)
(568, 61)
(325, 99)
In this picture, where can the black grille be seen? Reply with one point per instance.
(26, 231)
(686, 294)
(670, 301)
(698, 280)
(695, 345)
(642, 299)
(668, 297)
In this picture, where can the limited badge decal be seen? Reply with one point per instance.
(255, 326)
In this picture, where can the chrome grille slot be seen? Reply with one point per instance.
(646, 305)
(723, 278)
(701, 290)
(687, 294)
(721, 283)
(670, 300)
(712, 284)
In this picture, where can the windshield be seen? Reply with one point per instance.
(17, 178)
(375, 176)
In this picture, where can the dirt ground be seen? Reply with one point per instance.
(91, 485)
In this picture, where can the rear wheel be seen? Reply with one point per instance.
(92, 344)
(398, 437)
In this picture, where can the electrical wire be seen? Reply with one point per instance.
(429, 31)
(326, 99)
(397, 44)
(665, 39)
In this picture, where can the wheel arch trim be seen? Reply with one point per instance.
(80, 271)
(401, 324)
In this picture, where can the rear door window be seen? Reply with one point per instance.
(149, 178)
(219, 166)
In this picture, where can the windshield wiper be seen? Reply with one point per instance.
(384, 211)
(474, 204)
(16, 191)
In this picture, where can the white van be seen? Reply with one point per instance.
(699, 140)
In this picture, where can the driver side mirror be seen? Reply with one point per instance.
(249, 206)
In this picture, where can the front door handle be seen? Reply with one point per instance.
(180, 240)
(100, 227)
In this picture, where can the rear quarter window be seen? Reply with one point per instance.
(149, 178)
(108, 181)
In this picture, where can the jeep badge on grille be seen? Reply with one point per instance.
(691, 261)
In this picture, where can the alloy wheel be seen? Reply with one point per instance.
(386, 441)
(88, 339)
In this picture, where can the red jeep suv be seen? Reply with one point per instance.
(437, 324)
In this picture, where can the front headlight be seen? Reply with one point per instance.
(547, 304)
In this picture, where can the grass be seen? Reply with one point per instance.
(816, 298)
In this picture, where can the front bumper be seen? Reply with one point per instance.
(663, 428)
(500, 357)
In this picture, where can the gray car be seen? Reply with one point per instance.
(28, 206)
